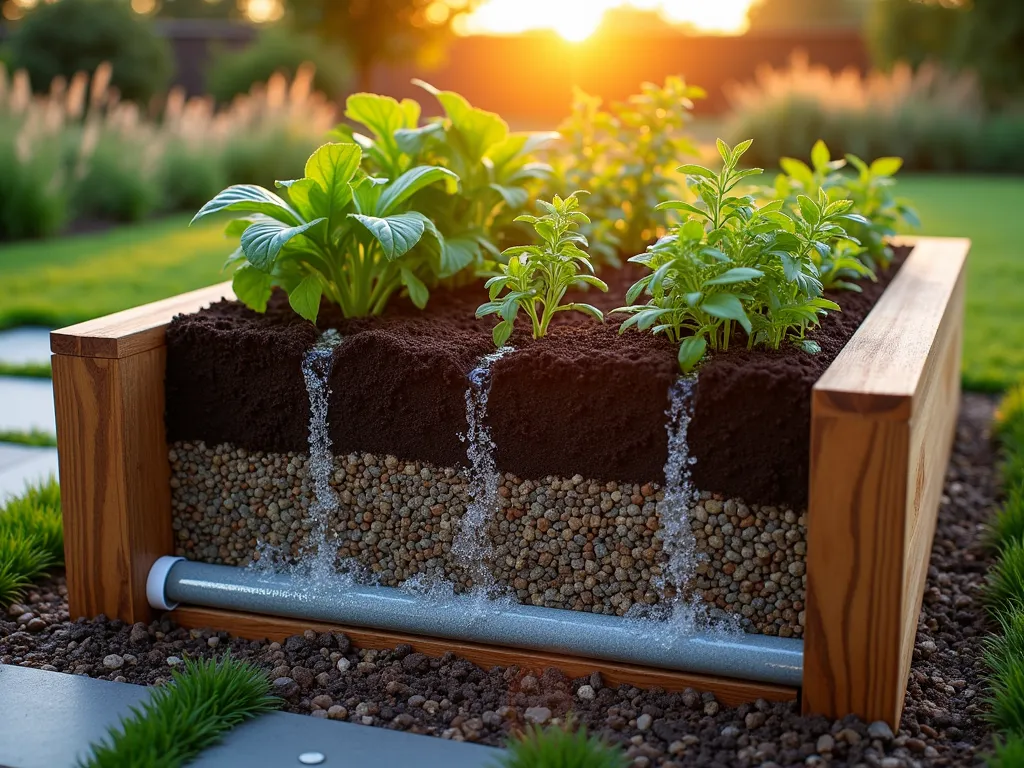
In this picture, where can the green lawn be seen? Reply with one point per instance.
(990, 211)
(64, 281)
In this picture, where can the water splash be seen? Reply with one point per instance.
(319, 554)
(678, 541)
(471, 547)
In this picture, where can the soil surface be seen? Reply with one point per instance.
(323, 675)
(585, 400)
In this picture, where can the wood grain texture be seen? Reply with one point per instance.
(883, 418)
(257, 627)
(114, 479)
(134, 330)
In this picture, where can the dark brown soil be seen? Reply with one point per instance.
(943, 720)
(584, 400)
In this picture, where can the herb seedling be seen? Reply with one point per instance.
(874, 215)
(342, 235)
(538, 276)
(733, 263)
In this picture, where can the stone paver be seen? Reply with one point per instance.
(26, 404)
(30, 344)
(22, 464)
(48, 719)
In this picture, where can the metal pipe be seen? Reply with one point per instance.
(465, 617)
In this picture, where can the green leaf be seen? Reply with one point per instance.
(596, 282)
(808, 346)
(514, 197)
(727, 307)
(501, 333)
(886, 166)
(262, 242)
(679, 205)
(252, 287)
(809, 209)
(411, 141)
(299, 195)
(820, 156)
(586, 309)
(457, 253)
(411, 182)
(305, 297)
(417, 290)
(797, 170)
(366, 193)
(381, 114)
(736, 275)
(396, 234)
(332, 167)
(477, 130)
(251, 199)
(691, 350)
(696, 170)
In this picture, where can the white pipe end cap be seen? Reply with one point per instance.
(156, 582)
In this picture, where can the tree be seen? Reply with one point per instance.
(982, 36)
(78, 35)
(382, 30)
(795, 14)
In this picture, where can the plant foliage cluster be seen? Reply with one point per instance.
(556, 746)
(536, 277)
(1004, 653)
(404, 208)
(31, 539)
(182, 718)
(733, 262)
(82, 153)
(624, 157)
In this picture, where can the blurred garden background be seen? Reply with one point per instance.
(119, 118)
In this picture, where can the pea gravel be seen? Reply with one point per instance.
(560, 542)
(324, 676)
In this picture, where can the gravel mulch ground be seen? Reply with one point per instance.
(325, 676)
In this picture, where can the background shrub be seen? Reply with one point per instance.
(61, 39)
(278, 50)
(935, 120)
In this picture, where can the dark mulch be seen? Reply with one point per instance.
(943, 722)
(584, 400)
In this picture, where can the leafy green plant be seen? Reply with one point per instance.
(1005, 584)
(497, 169)
(186, 716)
(538, 276)
(871, 192)
(733, 263)
(558, 747)
(1008, 524)
(36, 437)
(343, 235)
(624, 156)
(31, 539)
(1009, 752)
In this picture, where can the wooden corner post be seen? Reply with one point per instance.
(108, 384)
(882, 426)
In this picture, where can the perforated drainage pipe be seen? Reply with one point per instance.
(456, 617)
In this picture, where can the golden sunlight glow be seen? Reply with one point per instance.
(576, 20)
(262, 11)
(144, 6)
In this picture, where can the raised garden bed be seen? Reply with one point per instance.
(834, 462)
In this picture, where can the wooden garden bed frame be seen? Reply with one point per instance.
(883, 420)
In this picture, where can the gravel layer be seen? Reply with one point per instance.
(562, 543)
(323, 675)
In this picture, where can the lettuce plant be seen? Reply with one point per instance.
(497, 169)
(342, 235)
(536, 277)
(733, 262)
(624, 156)
(871, 191)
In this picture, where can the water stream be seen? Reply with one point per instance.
(320, 550)
(472, 548)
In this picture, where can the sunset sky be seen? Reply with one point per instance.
(575, 20)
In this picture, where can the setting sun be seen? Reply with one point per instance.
(576, 20)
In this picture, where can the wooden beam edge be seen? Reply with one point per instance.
(897, 402)
(259, 627)
(133, 330)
